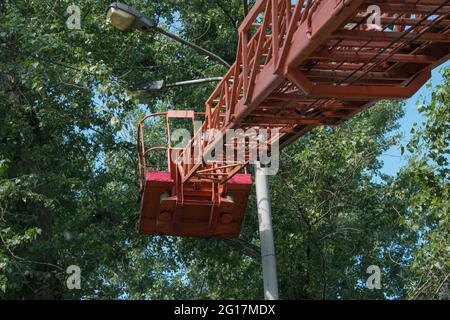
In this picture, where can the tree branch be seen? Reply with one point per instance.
(246, 248)
(440, 286)
(245, 4)
(227, 14)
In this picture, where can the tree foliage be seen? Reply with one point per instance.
(424, 184)
(69, 187)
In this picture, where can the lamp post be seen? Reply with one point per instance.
(268, 259)
(124, 17)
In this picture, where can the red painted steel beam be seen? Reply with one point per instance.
(352, 57)
(397, 21)
(388, 36)
(411, 8)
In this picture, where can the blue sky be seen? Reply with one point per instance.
(392, 158)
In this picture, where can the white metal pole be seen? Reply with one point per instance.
(266, 234)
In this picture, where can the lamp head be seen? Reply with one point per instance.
(124, 17)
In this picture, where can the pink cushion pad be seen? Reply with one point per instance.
(159, 176)
(240, 178)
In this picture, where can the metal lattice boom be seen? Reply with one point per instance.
(316, 63)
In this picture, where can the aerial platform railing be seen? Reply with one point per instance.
(145, 152)
(318, 62)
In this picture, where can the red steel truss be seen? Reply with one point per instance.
(315, 62)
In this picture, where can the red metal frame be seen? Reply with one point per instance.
(316, 63)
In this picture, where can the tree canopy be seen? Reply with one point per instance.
(69, 187)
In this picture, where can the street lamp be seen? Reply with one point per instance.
(124, 17)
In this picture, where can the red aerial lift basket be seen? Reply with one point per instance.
(194, 208)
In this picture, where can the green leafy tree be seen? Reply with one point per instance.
(424, 184)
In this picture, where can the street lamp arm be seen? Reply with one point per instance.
(142, 93)
(195, 81)
(193, 46)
